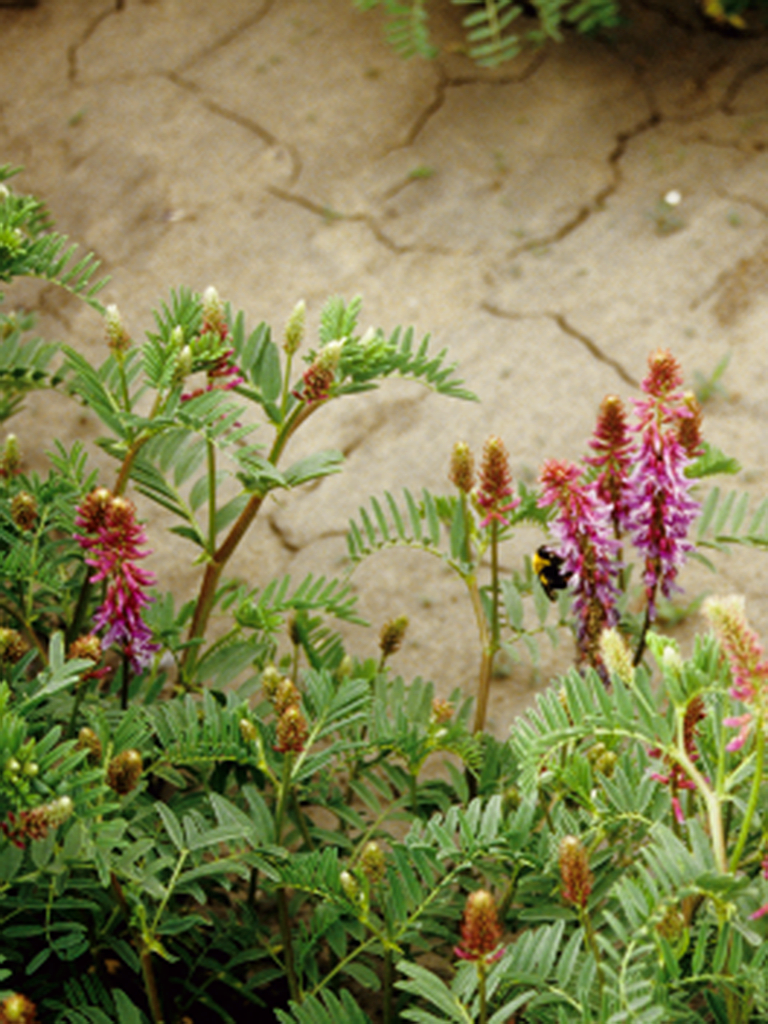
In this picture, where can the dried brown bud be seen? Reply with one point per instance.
(24, 510)
(574, 871)
(88, 740)
(442, 710)
(462, 471)
(124, 771)
(13, 647)
(87, 646)
(292, 731)
(373, 863)
(286, 694)
(392, 635)
(689, 427)
(17, 1009)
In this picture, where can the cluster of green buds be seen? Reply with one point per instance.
(292, 730)
(10, 457)
(124, 771)
(602, 759)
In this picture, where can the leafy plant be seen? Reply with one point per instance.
(207, 828)
(493, 34)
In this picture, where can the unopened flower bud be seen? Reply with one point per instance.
(117, 336)
(286, 695)
(4, 193)
(350, 886)
(88, 740)
(248, 730)
(330, 355)
(12, 767)
(392, 635)
(294, 329)
(57, 811)
(346, 666)
(10, 460)
(93, 509)
(574, 871)
(373, 863)
(480, 928)
(213, 313)
(462, 471)
(24, 510)
(270, 680)
(184, 363)
(124, 771)
(616, 656)
(292, 731)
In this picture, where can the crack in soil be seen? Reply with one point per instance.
(329, 215)
(597, 203)
(740, 79)
(589, 344)
(445, 82)
(263, 134)
(73, 50)
(228, 37)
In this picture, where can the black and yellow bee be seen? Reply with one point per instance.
(548, 566)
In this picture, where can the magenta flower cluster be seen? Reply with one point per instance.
(112, 539)
(660, 508)
(639, 491)
(587, 546)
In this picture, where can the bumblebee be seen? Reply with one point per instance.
(548, 566)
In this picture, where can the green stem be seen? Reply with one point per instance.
(282, 893)
(591, 941)
(150, 984)
(482, 968)
(388, 986)
(710, 798)
(211, 466)
(489, 640)
(754, 795)
(213, 570)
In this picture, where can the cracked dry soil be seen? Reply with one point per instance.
(278, 149)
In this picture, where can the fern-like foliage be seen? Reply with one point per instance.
(29, 248)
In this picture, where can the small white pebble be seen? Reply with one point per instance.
(672, 198)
